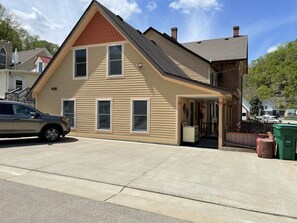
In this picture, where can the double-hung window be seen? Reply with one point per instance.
(104, 111)
(80, 63)
(68, 110)
(140, 115)
(115, 67)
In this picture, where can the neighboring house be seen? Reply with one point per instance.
(28, 58)
(114, 82)
(246, 109)
(229, 58)
(16, 75)
(40, 63)
(268, 107)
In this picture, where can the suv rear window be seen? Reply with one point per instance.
(5, 109)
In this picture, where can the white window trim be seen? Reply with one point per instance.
(148, 115)
(87, 63)
(111, 115)
(107, 62)
(62, 109)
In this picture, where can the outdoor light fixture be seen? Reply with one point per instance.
(139, 66)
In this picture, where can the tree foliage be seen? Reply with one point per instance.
(11, 30)
(274, 77)
(256, 105)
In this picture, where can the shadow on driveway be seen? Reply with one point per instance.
(18, 142)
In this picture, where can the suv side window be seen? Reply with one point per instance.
(5, 109)
(22, 110)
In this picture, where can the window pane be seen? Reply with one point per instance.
(103, 115)
(140, 123)
(5, 109)
(71, 119)
(68, 107)
(115, 52)
(104, 122)
(40, 66)
(22, 110)
(104, 107)
(115, 67)
(140, 107)
(81, 70)
(2, 59)
(80, 56)
(68, 111)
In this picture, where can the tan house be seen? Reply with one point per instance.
(114, 82)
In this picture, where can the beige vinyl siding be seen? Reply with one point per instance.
(143, 83)
(193, 66)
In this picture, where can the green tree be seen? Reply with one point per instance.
(256, 105)
(274, 77)
(12, 30)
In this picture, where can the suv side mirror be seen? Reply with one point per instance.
(34, 115)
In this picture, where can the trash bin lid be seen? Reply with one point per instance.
(285, 126)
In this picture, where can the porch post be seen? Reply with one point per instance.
(220, 127)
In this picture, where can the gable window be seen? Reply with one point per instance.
(40, 67)
(2, 59)
(140, 117)
(104, 110)
(115, 60)
(68, 110)
(80, 63)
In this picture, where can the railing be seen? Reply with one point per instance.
(17, 95)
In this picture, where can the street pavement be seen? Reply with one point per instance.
(194, 184)
(27, 204)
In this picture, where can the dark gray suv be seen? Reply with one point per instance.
(21, 120)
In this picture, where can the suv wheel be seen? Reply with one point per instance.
(51, 134)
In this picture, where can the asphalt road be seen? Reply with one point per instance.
(22, 203)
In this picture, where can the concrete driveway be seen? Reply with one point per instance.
(202, 185)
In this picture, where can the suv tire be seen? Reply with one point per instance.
(50, 134)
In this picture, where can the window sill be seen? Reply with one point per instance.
(139, 133)
(80, 78)
(106, 131)
(120, 76)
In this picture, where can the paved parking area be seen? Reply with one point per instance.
(187, 183)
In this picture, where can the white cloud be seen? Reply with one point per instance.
(125, 8)
(151, 6)
(186, 6)
(37, 19)
(275, 47)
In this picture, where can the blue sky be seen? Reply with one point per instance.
(268, 23)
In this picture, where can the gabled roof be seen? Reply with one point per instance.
(28, 54)
(44, 59)
(169, 38)
(146, 47)
(223, 49)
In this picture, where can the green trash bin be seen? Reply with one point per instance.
(286, 138)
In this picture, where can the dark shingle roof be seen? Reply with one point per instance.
(232, 48)
(28, 54)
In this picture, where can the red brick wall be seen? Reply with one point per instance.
(99, 30)
(230, 78)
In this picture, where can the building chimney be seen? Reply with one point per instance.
(174, 33)
(235, 31)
